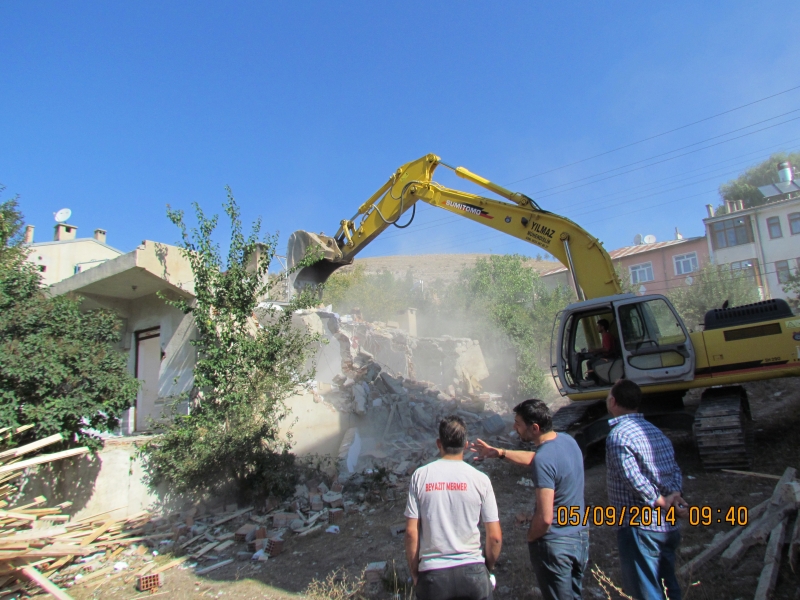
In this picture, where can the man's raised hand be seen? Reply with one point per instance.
(483, 450)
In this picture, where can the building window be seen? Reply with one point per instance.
(774, 227)
(782, 270)
(685, 263)
(641, 273)
(731, 232)
(744, 268)
(794, 223)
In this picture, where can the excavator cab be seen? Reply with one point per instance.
(637, 337)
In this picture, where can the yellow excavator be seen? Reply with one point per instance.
(649, 344)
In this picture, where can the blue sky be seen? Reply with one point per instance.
(117, 109)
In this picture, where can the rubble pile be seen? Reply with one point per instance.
(400, 386)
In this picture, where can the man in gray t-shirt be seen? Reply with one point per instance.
(558, 541)
(446, 500)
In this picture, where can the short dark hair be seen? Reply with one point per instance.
(535, 411)
(604, 323)
(627, 394)
(453, 434)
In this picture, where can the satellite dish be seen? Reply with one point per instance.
(62, 215)
(649, 239)
(689, 280)
(637, 239)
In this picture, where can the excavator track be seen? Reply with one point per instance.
(571, 414)
(723, 428)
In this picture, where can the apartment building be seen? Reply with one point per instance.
(651, 268)
(763, 242)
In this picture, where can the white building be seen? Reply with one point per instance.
(763, 241)
(156, 336)
(67, 254)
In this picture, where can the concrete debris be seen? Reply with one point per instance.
(397, 388)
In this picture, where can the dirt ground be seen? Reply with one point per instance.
(366, 537)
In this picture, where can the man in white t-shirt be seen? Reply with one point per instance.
(446, 500)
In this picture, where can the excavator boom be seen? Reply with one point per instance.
(592, 271)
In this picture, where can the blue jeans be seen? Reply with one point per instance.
(465, 582)
(559, 563)
(647, 558)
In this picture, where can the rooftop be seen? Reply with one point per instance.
(630, 251)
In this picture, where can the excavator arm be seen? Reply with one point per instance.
(593, 274)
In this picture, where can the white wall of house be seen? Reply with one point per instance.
(175, 360)
(57, 260)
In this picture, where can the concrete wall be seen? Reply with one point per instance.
(114, 480)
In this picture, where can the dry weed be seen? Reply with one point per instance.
(608, 586)
(338, 585)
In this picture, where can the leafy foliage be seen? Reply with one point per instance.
(380, 296)
(60, 369)
(10, 231)
(507, 304)
(249, 360)
(745, 187)
(792, 287)
(712, 286)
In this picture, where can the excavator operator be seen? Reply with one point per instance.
(607, 352)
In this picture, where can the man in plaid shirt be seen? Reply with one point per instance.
(642, 472)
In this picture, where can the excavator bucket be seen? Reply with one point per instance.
(302, 244)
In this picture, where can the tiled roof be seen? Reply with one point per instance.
(630, 251)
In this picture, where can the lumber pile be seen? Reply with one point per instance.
(40, 545)
(769, 523)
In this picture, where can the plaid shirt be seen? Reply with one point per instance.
(641, 465)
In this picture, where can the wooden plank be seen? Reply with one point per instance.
(38, 501)
(204, 549)
(224, 545)
(19, 516)
(97, 532)
(213, 567)
(92, 576)
(44, 583)
(772, 562)
(787, 477)
(192, 540)
(794, 544)
(169, 565)
(723, 542)
(37, 445)
(756, 532)
(752, 473)
(238, 513)
(33, 534)
(44, 458)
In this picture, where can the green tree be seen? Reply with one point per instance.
(59, 368)
(745, 187)
(792, 287)
(11, 224)
(504, 303)
(249, 360)
(380, 296)
(711, 287)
